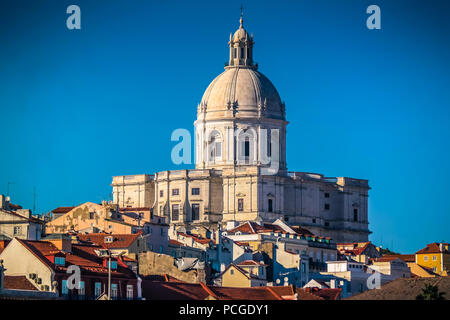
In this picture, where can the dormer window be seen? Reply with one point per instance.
(109, 239)
(60, 261)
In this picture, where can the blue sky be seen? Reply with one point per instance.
(77, 107)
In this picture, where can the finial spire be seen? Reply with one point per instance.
(242, 16)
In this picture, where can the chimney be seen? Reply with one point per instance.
(2, 201)
(232, 224)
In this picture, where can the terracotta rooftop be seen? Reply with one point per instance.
(431, 248)
(303, 294)
(119, 240)
(62, 209)
(196, 238)
(18, 283)
(404, 257)
(358, 248)
(135, 209)
(251, 227)
(82, 255)
(325, 293)
(176, 243)
(158, 290)
(162, 278)
(250, 263)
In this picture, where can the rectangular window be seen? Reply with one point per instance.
(175, 212)
(247, 148)
(162, 231)
(161, 249)
(60, 261)
(98, 289)
(65, 289)
(91, 215)
(17, 230)
(425, 258)
(175, 192)
(218, 149)
(130, 292)
(326, 195)
(195, 191)
(314, 220)
(113, 265)
(434, 258)
(161, 193)
(240, 204)
(355, 214)
(195, 211)
(151, 213)
(270, 205)
(114, 290)
(327, 206)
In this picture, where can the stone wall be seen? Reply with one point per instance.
(151, 263)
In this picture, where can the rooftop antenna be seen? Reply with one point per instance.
(34, 200)
(9, 183)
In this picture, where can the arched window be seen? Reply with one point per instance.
(270, 205)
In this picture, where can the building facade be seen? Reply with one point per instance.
(241, 169)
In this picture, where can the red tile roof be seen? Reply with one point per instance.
(18, 283)
(176, 243)
(162, 277)
(157, 290)
(303, 294)
(431, 248)
(14, 206)
(404, 257)
(251, 227)
(358, 248)
(82, 255)
(250, 263)
(325, 293)
(62, 209)
(196, 238)
(135, 209)
(119, 240)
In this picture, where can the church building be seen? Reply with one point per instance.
(241, 171)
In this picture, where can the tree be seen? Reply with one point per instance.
(430, 292)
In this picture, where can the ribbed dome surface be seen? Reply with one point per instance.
(246, 90)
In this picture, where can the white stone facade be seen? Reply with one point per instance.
(241, 171)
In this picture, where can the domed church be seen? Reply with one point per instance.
(240, 165)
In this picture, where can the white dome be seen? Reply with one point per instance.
(246, 91)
